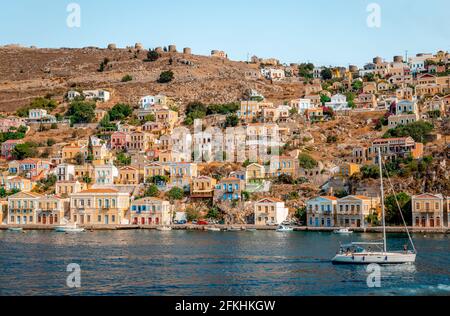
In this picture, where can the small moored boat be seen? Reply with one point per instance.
(164, 228)
(15, 229)
(283, 228)
(343, 231)
(213, 229)
(69, 229)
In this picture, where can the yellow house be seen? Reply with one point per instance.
(348, 169)
(255, 172)
(66, 188)
(155, 169)
(203, 187)
(100, 207)
(129, 175)
(166, 116)
(69, 152)
(428, 210)
(352, 210)
(85, 170)
(52, 210)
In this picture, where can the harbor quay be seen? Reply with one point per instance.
(374, 230)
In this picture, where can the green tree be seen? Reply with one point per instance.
(324, 99)
(307, 162)
(231, 121)
(127, 78)
(195, 110)
(152, 55)
(166, 76)
(393, 216)
(81, 112)
(120, 111)
(417, 130)
(152, 191)
(192, 214)
(123, 160)
(26, 150)
(357, 85)
(300, 214)
(176, 193)
(326, 74)
(305, 70)
(214, 213)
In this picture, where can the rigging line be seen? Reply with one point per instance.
(399, 208)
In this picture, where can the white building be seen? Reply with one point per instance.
(270, 211)
(302, 105)
(100, 95)
(72, 94)
(105, 174)
(338, 102)
(321, 211)
(406, 107)
(65, 172)
(273, 73)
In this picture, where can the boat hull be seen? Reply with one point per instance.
(68, 230)
(379, 258)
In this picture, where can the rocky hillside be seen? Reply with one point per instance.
(26, 73)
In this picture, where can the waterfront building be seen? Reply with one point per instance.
(321, 211)
(270, 211)
(428, 210)
(99, 207)
(352, 211)
(151, 211)
(52, 210)
(22, 208)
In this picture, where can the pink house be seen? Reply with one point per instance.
(119, 140)
(8, 146)
(6, 124)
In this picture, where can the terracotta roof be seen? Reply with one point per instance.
(330, 198)
(231, 179)
(100, 191)
(274, 200)
(427, 196)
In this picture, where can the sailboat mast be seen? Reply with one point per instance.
(382, 200)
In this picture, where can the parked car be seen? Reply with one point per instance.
(181, 222)
(194, 222)
(202, 223)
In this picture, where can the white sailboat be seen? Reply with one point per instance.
(362, 252)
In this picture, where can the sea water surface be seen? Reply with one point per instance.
(145, 262)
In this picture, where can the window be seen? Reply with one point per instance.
(99, 218)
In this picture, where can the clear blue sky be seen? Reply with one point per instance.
(322, 31)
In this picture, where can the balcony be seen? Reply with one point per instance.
(202, 194)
